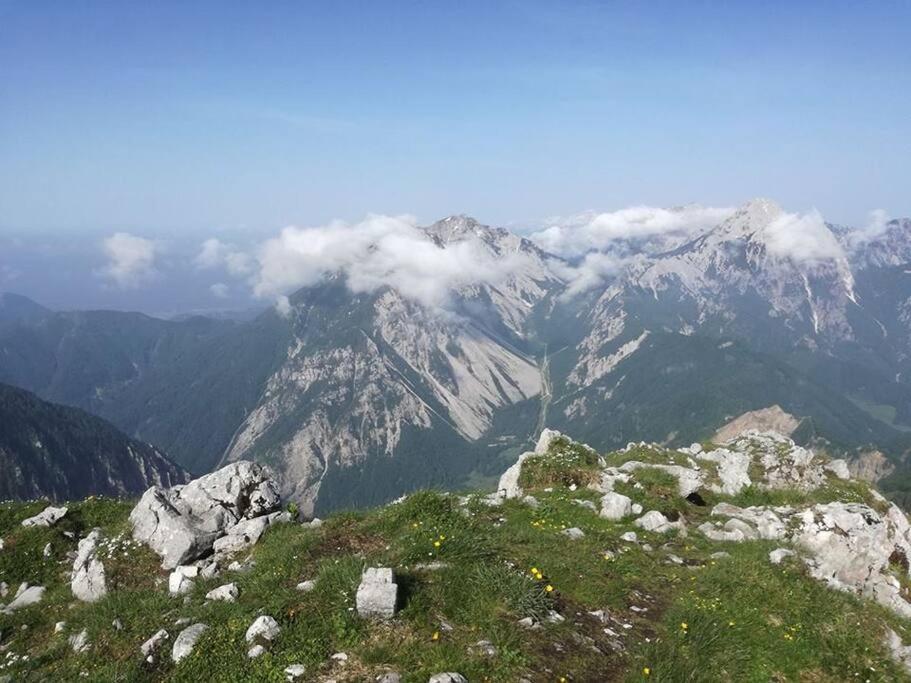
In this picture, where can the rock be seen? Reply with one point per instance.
(689, 479)
(4, 589)
(150, 647)
(637, 509)
(377, 595)
(256, 651)
(508, 486)
(483, 648)
(447, 677)
(777, 556)
(79, 642)
(88, 580)
(716, 533)
(47, 517)
(182, 523)
(340, 657)
(768, 523)
(531, 502)
(263, 627)
(733, 470)
(306, 586)
(226, 593)
(554, 617)
(25, 596)
(898, 651)
(839, 468)
(573, 533)
(391, 677)
(615, 506)
(180, 581)
(629, 537)
(295, 671)
(47, 550)
(117, 625)
(59, 627)
(654, 521)
(186, 641)
(247, 533)
(585, 504)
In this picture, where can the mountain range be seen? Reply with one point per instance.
(355, 396)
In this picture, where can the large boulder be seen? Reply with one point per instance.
(88, 580)
(182, 523)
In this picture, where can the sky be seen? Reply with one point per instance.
(178, 122)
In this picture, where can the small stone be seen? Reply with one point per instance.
(48, 550)
(263, 627)
(391, 677)
(226, 593)
(149, 647)
(777, 556)
(25, 596)
(4, 589)
(554, 617)
(483, 648)
(531, 502)
(117, 625)
(59, 627)
(186, 641)
(295, 671)
(574, 533)
(448, 677)
(80, 641)
(630, 537)
(340, 657)
(306, 586)
(528, 622)
(256, 651)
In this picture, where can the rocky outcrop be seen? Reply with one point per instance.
(871, 466)
(183, 523)
(508, 486)
(771, 419)
(88, 580)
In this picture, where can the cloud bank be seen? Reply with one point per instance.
(639, 227)
(802, 238)
(379, 251)
(131, 259)
(215, 254)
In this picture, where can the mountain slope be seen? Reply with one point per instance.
(589, 567)
(62, 453)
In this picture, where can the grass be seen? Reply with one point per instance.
(466, 573)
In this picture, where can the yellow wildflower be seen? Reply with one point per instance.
(549, 588)
(646, 671)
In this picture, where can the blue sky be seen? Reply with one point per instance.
(169, 118)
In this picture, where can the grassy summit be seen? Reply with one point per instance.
(665, 608)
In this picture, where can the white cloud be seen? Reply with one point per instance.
(802, 238)
(379, 251)
(220, 290)
(283, 306)
(216, 254)
(877, 225)
(616, 230)
(131, 259)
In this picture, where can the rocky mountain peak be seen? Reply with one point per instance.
(749, 219)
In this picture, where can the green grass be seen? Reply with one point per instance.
(746, 620)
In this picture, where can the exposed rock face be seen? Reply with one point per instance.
(182, 524)
(871, 466)
(47, 517)
(771, 419)
(88, 580)
(377, 594)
